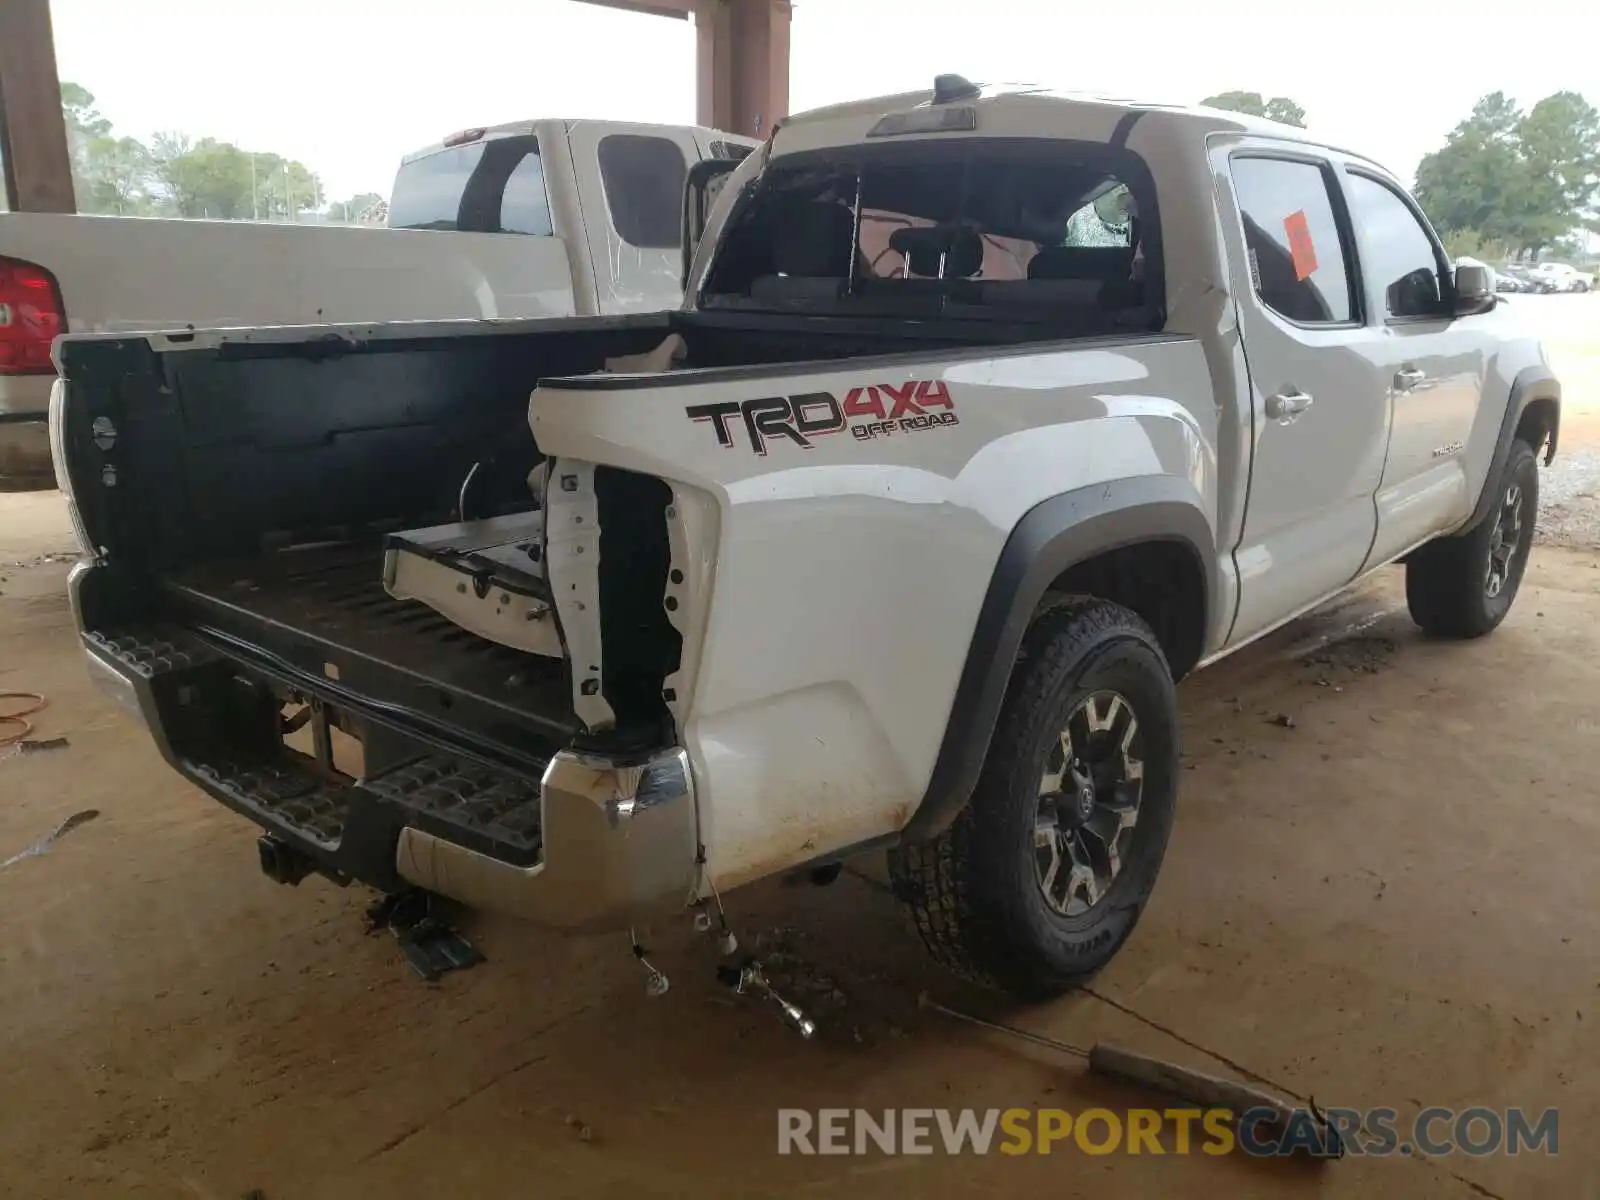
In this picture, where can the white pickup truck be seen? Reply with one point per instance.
(547, 219)
(988, 417)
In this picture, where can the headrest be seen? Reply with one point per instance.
(921, 248)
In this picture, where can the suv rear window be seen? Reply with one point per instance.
(1049, 232)
(488, 186)
(644, 178)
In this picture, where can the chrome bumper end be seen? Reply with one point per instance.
(620, 842)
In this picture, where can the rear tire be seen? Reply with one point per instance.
(1090, 678)
(1463, 586)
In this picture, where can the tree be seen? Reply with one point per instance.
(83, 120)
(207, 178)
(284, 188)
(109, 174)
(1479, 180)
(1279, 108)
(177, 175)
(117, 178)
(1524, 179)
(1469, 243)
(216, 179)
(350, 212)
(1560, 140)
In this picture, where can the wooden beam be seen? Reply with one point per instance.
(741, 58)
(742, 64)
(680, 10)
(33, 134)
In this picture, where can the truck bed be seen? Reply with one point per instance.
(323, 615)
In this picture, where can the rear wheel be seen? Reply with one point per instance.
(1463, 586)
(1042, 877)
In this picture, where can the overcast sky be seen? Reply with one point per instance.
(348, 86)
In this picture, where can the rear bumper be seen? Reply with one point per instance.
(619, 843)
(25, 433)
(599, 844)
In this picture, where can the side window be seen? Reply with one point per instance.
(644, 179)
(524, 206)
(1399, 253)
(1297, 257)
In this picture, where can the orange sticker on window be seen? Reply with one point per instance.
(1301, 248)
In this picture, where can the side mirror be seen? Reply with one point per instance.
(1474, 289)
(700, 191)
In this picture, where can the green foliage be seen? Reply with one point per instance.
(1525, 179)
(177, 176)
(1279, 108)
(115, 177)
(1469, 243)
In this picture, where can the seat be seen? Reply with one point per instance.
(816, 241)
(1106, 264)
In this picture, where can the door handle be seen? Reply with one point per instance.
(1408, 379)
(1290, 402)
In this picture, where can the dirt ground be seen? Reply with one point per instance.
(1391, 902)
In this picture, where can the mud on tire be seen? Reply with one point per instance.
(977, 892)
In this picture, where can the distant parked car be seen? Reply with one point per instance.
(1561, 277)
(1507, 279)
(1529, 278)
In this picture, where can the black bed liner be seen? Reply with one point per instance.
(324, 615)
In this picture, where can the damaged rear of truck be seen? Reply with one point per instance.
(740, 591)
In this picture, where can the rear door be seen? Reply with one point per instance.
(630, 182)
(1433, 364)
(1320, 417)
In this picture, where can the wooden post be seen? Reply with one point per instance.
(33, 134)
(742, 64)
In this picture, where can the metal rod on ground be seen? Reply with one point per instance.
(1183, 1083)
(1038, 1039)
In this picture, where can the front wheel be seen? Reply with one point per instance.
(1043, 875)
(1463, 586)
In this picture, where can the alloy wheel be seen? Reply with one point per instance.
(1088, 803)
(1503, 541)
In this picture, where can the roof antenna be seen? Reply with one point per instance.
(947, 89)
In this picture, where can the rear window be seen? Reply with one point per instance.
(644, 178)
(1000, 229)
(489, 186)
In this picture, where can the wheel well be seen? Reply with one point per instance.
(1162, 581)
(1539, 424)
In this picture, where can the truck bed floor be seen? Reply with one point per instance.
(325, 612)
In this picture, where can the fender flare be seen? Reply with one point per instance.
(1531, 384)
(1051, 537)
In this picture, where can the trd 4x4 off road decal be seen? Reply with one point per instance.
(890, 409)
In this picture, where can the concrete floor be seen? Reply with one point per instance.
(1391, 903)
